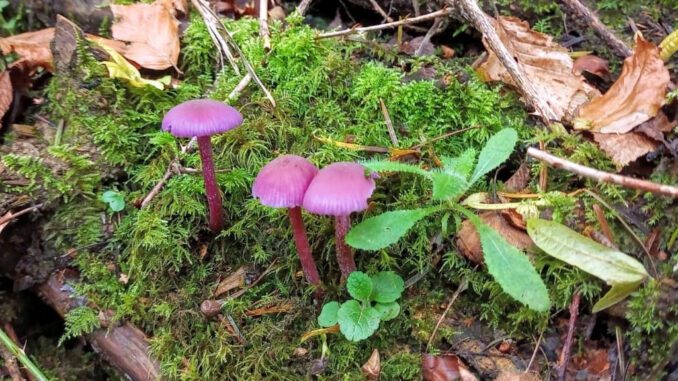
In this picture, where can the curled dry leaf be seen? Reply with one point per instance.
(372, 368)
(468, 240)
(235, 280)
(33, 47)
(6, 93)
(634, 98)
(592, 64)
(548, 64)
(152, 31)
(440, 368)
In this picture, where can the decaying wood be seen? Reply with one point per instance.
(605, 177)
(125, 346)
(580, 11)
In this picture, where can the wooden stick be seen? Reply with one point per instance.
(413, 20)
(567, 347)
(462, 287)
(263, 24)
(472, 13)
(604, 177)
(11, 365)
(389, 124)
(303, 6)
(10, 216)
(589, 18)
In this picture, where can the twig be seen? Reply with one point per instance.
(9, 217)
(567, 347)
(263, 24)
(413, 20)
(534, 354)
(19, 353)
(603, 31)
(462, 286)
(389, 124)
(427, 37)
(471, 12)
(441, 137)
(303, 6)
(388, 18)
(187, 148)
(602, 221)
(604, 177)
(11, 365)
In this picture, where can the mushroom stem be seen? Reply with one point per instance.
(344, 253)
(303, 248)
(216, 222)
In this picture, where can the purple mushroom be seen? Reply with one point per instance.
(282, 184)
(203, 118)
(339, 190)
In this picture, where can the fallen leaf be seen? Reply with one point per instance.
(517, 376)
(152, 31)
(31, 46)
(372, 368)
(120, 68)
(410, 47)
(634, 98)
(6, 93)
(319, 331)
(440, 368)
(519, 180)
(548, 64)
(7, 216)
(233, 281)
(592, 64)
(446, 52)
(468, 240)
(274, 309)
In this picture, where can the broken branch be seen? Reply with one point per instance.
(440, 13)
(589, 18)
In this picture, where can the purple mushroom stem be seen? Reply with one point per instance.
(216, 222)
(344, 253)
(303, 248)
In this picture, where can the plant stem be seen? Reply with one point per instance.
(344, 253)
(21, 356)
(303, 248)
(211, 187)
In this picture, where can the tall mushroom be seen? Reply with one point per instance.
(339, 190)
(203, 118)
(282, 184)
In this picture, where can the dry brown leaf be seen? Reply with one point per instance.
(7, 216)
(372, 367)
(634, 98)
(545, 62)
(33, 47)
(592, 64)
(520, 179)
(152, 31)
(468, 240)
(235, 280)
(274, 309)
(517, 376)
(6, 93)
(440, 368)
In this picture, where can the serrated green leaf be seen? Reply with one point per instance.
(394, 166)
(447, 186)
(495, 152)
(617, 293)
(610, 265)
(462, 164)
(359, 286)
(387, 311)
(387, 287)
(385, 229)
(328, 315)
(357, 321)
(510, 267)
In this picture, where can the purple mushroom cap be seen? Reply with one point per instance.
(339, 189)
(283, 182)
(200, 117)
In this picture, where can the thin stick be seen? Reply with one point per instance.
(534, 354)
(388, 18)
(567, 347)
(441, 137)
(389, 124)
(589, 18)
(21, 356)
(462, 286)
(11, 365)
(9, 217)
(303, 6)
(413, 20)
(263, 24)
(427, 38)
(604, 177)
(602, 221)
(472, 13)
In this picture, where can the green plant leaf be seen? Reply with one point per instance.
(328, 315)
(387, 287)
(359, 285)
(115, 200)
(495, 152)
(394, 166)
(622, 272)
(357, 321)
(462, 164)
(385, 229)
(387, 311)
(610, 265)
(510, 267)
(447, 186)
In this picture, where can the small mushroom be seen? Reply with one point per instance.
(203, 118)
(282, 184)
(339, 190)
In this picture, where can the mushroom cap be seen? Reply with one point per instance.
(283, 181)
(200, 117)
(338, 190)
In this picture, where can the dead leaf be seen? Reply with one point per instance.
(6, 93)
(33, 47)
(634, 98)
(231, 282)
(517, 376)
(152, 31)
(8, 217)
(446, 52)
(520, 179)
(440, 368)
(548, 64)
(119, 67)
(268, 310)
(410, 47)
(372, 368)
(468, 240)
(592, 64)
